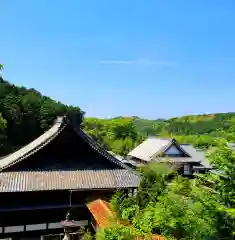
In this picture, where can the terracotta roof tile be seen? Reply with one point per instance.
(101, 212)
(104, 216)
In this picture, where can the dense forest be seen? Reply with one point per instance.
(26, 113)
(199, 130)
(175, 207)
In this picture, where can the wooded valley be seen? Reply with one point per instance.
(25, 114)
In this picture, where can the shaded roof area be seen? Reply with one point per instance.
(105, 217)
(50, 135)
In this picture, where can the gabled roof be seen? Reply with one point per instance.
(50, 135)
(26, 181)
(152, 147)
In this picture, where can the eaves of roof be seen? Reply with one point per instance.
(29, 181)
(49, 136)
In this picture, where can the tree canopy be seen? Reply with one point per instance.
(25, 114)
(182, 208)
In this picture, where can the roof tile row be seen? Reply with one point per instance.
(66, 180)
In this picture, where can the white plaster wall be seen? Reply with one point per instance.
(55, 225)
(12, 229)
(34, 227)
(41, 226)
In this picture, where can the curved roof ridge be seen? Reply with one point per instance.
(98, 148)
(51, 134)
(33, 146)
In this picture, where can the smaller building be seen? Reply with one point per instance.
(185, 157)
(103, 217)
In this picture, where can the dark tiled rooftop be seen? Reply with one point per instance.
(62, 180)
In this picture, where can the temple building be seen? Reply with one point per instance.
(61, 170)
(185, 157)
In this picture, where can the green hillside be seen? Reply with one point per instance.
(211, 124)
(25, 114)
(148, 127)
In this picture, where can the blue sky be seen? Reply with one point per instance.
(148, 58)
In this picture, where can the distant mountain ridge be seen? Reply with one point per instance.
(184, 125)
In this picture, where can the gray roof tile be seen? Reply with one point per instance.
(196, 154)
(63, 180)
(149, 147)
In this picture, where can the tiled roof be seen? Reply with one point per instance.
(101, 212)
(149, 147)
(63, 180)
(153, 146)
(104, 217)
(196, 154)
(50, 135)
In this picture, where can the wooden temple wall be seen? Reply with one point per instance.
(27, 213)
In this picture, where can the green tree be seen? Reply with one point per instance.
(223, 160)
(3, 123)
(28, 114)
(181, 208)
(116, 135)
(154, 180)
(118, 232)
(87, 236)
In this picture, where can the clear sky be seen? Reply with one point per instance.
(148, 58)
